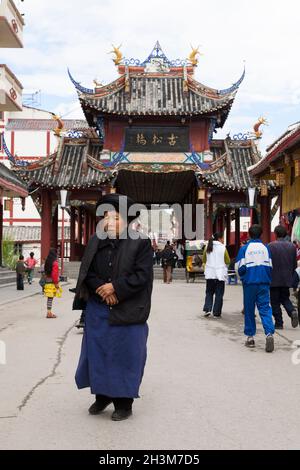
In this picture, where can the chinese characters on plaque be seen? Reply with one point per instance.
(157, 139)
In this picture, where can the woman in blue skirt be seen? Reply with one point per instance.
(114, 287)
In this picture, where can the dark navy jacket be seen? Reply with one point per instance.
(284, 258)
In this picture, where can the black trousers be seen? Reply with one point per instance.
(280, 296)
(119, 403)
(214, 296)
(20, 282)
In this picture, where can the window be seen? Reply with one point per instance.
(7, 204)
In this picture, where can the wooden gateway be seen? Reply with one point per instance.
(150, 136)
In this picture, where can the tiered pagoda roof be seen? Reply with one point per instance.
(10, 184)
(230, 167)
(77, 164)
(74, 165)
(156, 87)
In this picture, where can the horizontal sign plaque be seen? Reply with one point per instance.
(157, 139)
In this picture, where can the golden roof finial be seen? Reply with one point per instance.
(192, 58)
(261, 121)
(118, 54)
(58, 130)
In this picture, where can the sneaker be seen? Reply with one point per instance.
(269, 343)
(206, 314)
(120, 415)
(250, 343)
(98, 406)
(217, 317)
(294, 319)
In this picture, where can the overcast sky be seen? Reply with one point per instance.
(79, 33)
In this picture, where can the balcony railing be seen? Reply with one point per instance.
(10, 90)
(11, 25)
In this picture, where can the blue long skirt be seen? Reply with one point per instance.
(112, 358)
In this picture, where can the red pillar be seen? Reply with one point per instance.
(72, 233)
(86, 227)
(46, 223)
(1, 228)
(11, 211)
(265, 214)
(237, 230)
(220, 222)
(228, 226)
(54, 229)
(79, 239)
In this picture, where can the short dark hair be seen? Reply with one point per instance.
(21, 257)
(280, 231)
(31, 254)
(255, 231)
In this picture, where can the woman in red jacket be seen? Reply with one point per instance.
(52, 288)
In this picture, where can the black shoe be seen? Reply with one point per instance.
(120, 415)
(269, 343)
(98, 406)
(294, 319)
(250, 343)
(278, 327)
(80, 324)
(73, 290)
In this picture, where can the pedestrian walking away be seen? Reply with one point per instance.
(216, 260)
(114, 288)
(284, 260)
(254, 267)
(51, 288)
(20, 271)
(169, 258)
(30, 264)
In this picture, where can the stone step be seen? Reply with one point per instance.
(9, 279)
(72, 269)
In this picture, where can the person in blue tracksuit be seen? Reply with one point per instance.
(254, 266)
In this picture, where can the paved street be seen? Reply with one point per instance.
(202, 388)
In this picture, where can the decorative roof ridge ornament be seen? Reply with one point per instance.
(14, 160)
(60, 125)
(79, 87)
(261, 122)
(192, 58)
(235, 86)
(118, 55)
(255, 135)
(158, 57)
